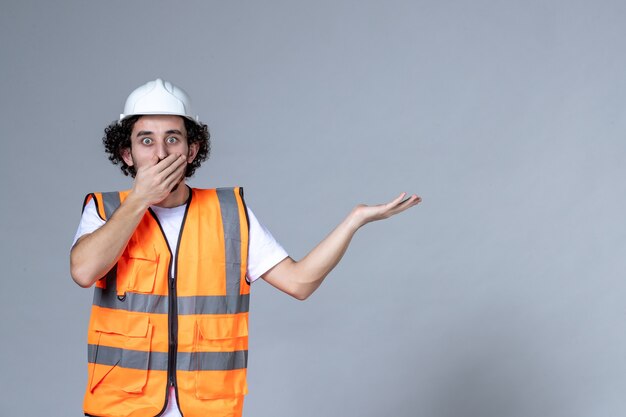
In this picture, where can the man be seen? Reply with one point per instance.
(172, 268)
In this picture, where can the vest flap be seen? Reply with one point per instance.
(131, 326)
(141, 251)
(223, 327)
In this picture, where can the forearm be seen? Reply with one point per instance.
(300, 279)
(308, 274)
(96, 253)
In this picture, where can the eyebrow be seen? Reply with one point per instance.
(169, 132)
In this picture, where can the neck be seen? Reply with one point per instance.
(176, 198)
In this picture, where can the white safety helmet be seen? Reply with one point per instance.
(158, 97)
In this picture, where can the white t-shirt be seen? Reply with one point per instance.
(264, 252)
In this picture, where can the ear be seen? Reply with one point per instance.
(193, 151)
(127, 157)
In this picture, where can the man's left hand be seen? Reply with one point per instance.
(363, 214)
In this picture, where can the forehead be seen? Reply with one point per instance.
(158, 124)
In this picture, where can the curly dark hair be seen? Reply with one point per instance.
(117, 138)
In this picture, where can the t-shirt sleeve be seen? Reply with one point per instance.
(264, 252)
(89, 222)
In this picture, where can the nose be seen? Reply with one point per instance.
(161, 151)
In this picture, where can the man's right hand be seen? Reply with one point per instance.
(94, 254)
(154, 182)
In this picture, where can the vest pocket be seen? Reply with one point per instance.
(122, 354)
(137, 270)
(220, 356)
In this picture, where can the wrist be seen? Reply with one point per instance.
(136, 202)
(355, 219)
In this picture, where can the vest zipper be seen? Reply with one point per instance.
(173, 319)
(172, 314)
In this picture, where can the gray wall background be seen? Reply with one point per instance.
(500, 295)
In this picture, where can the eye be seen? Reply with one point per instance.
(171, 140)
(146, 141)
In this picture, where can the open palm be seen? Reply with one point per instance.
(372, 213)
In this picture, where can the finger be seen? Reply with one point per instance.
(171, 185)
(175, 177)
(406, 204)
(167, 162)
(176, 174)
(409, 202)
(151, 163)
(398, 200)
(414, 199)
(167, 171)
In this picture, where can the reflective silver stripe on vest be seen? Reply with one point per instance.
(143, 303)
(133, 359)
(157, 361)
(213, 304)
(211, 361)
(111, 202)
(232, 238)
(157, 304)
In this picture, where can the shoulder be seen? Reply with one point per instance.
(236, 189)
(224, 195)
(105, 202)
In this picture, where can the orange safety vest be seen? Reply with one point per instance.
(148, 332)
